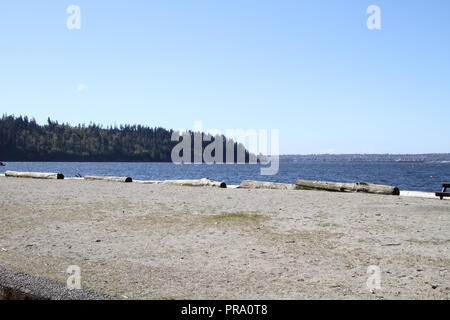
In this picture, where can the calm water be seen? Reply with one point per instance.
(407, 176)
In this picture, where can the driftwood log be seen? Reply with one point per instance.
(148, 181)
(197, 183)
(192, 182)
(250, 184)
(105, 178)
(347, 187)
(34, 175)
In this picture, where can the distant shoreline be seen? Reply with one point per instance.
(416, 158)
(399, 158)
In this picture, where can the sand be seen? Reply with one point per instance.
(140, 241)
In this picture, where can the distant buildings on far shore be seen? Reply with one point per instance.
(411, 158)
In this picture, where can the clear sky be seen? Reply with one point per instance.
(311, 69)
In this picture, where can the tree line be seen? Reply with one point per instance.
(23, 139)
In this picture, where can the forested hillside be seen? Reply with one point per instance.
(22, 139)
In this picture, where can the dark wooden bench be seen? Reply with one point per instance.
(443, 193)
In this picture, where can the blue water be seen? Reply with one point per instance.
(406, 176)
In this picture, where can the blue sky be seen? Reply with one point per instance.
(311, 69)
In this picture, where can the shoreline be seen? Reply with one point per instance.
(403, 193)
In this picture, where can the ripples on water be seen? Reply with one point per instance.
(407, 176)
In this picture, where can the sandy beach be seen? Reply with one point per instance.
(177, 242)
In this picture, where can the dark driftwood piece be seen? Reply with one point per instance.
(347, 187)
(105, 178)
(34, 175)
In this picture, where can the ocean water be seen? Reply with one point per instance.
(406, 176)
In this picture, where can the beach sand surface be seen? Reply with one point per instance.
(178, 242)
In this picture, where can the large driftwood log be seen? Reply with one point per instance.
(148, 181)
(347, 187)
(377, 188)
(189, 182)
(323, 185)
(34, 175)
(105, 178)
(197, 183)
(250, 184)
